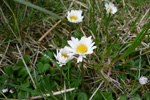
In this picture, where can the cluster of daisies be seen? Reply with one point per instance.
(78, 47)
(85, 45)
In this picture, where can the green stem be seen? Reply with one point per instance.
(82, 75)
(61, 77)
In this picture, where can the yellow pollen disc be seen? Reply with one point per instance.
(64, 55)
(81, 48)
(73, 18)
(110, 9)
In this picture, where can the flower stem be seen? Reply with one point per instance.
(61, 76)
(82, 75)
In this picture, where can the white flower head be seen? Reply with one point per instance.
(75, 16)
(81, 47)
(143, 80)
(4, 90)
(62, 56)
(110, 8)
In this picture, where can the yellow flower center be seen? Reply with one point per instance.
(64, 55)
(110, 9)
(81, 48)
(73, 18)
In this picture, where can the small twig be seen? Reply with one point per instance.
(82, 31)
(65, 89)
(3, 94)
(26, 67)
(96, 91)
(49, 31)
(143, 17)
(4, 53)
(54, 93)
(140, 65)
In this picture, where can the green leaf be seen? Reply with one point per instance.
(46, 67)
(147, 96)
(52, 71)
(27, 59)
(23, 72)
(98, 96)
(38, 8)
(23, 95)
(143, 62)
(49, 53)
(8, 70)
(82, 96)
(108, 95)
(16, 68)
(123, 76)
(27, 84)
(44, 60)
(123, 97)
(40, 67)
(20, 63)
(137, 97)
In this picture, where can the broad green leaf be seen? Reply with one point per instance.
(40, 67)
(8, 70)
(123, 98)
(16, 68)
(23, 95)
(27, 84)
(44, 60)
(46, 67)
(108, 95)
(52, 71)
(98, 96)
(27, 59)
(82, 96)
(49, 53)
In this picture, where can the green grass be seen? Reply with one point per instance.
(114, 65)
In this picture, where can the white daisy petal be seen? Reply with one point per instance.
(79, 59)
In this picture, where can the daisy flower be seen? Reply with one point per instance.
(75, 16)
(62, 56)
(143, 80)
(110, 8)
(81, 47)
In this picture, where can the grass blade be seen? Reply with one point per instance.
(38, 8)
(137, 41)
